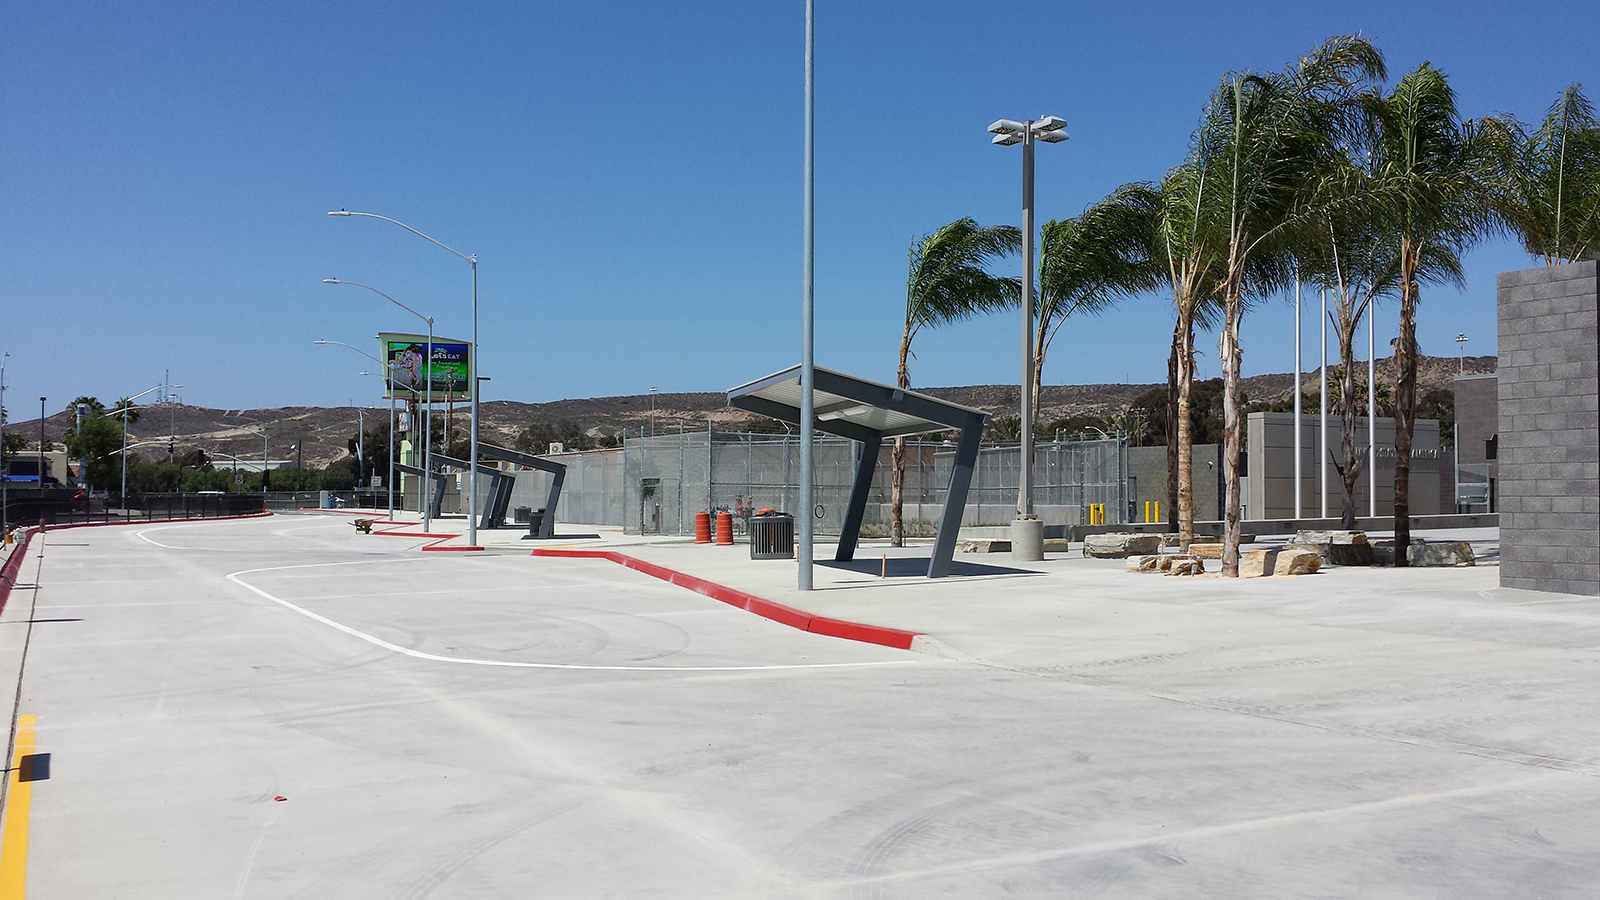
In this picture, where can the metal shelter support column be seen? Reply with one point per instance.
(944, 542)
(860, 490)
(870, 413)
(558, 477)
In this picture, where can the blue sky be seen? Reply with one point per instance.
(629, 176)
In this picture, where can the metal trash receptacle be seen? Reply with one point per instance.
(535, 521)
(772, 536)
(522, 515)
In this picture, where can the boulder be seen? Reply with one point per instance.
(1185, 565)
(1206, 551)
(1120, 545)
(984, 545)
(1296, 562)
(1145, 563)
(1169, 539)
(1340, 548)
(1257, 563)
(1443, 553)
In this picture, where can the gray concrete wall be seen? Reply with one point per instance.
(1477, 421)
(1549, 399)
(1147, 474)
(1271, 490)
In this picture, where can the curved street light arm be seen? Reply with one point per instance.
(358, 284)
(345, 212)
(352, 347)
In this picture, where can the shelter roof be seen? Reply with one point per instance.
(854, 407)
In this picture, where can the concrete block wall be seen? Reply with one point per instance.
(1549, 410)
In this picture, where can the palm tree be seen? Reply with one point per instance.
(1549, 179)
(1087, 264)
(1179, 246)
(1436, 184)
(948, 280)
(1268, 139)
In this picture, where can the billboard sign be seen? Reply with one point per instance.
(409, 372)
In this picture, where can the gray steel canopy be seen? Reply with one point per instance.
(870, 413)
(845, 400)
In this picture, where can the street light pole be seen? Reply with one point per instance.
(124, 413)
(1027, 532)
(427, 443)
(472, 363)
(1461, 354)
(808, 267)
(5, 495)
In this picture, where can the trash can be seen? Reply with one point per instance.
(522, 515)
(772, 536)
(535, 522)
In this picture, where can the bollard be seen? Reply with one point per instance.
(702, 528)
(725, 529)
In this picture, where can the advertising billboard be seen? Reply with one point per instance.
(409, 372)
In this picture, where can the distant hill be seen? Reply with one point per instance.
(320, 433)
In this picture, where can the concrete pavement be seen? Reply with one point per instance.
(485, 725)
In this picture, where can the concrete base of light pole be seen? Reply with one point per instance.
(1027, 540)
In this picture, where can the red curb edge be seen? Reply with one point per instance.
(8, 572)
(777, 612)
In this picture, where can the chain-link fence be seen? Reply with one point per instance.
(655, 484)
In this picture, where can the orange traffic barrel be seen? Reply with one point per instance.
(725, 528)
(702, 528)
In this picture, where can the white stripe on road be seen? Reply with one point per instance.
(468, 661)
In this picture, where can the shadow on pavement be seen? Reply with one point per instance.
(917, 567)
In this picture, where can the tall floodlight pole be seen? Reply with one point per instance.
(1299, 485)
(427, 428)
(472, 374)
(808, 374)
(1324, 376)
(1027, 532)
(1461, 354)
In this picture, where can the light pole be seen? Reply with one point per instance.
(123, 412)
(427, 430)
(472, 470)
(41, 448)
(808, 267)
(386, 389)
(1461, 354)
(263, 433)
(5, 495)
(1027, 532)
(652, 411)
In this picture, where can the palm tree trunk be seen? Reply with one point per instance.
(1185, 436)
(898, 458)
(1405, 397)
(1233, 434)
(1172, 431)
(1350, 470)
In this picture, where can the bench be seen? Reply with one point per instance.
(364, 525)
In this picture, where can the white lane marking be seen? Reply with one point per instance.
(509, 664)
(1012, 861)
(281, 532)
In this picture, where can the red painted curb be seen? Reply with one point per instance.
(8, 572)
(435, 548)
(777, 612)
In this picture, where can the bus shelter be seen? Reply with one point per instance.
(870, 413)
